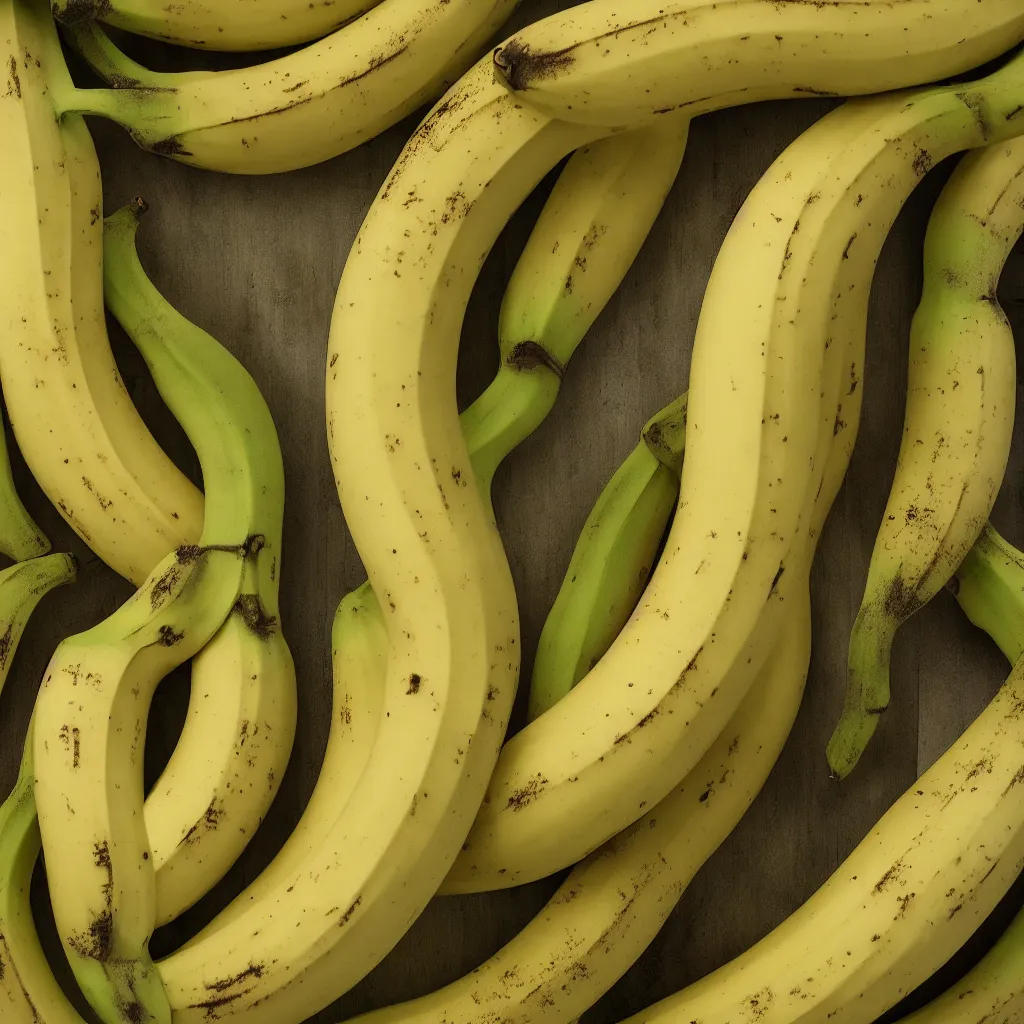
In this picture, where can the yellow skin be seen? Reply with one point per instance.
(606, 63)
(957, 427)
(74, 422)
(220, 24)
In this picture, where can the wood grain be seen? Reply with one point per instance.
(256, 262)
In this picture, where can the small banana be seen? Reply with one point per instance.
(81, 436)
(233, 750)
(606, 746)
(90, 717)
(300, 109)
(218, 24)
(598, 215)
(957, 426)
(607, 63)
(20, 537)
(612, 560)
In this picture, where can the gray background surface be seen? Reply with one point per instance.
(256, 262)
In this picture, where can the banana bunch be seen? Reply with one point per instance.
(957, 429)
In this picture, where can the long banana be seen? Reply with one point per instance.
(598, 214)
(612, 560)
(612, 904)
(957, 427)
(90, 717)
(300, 109)
(607, 747)
(605, 63)
(73, 420)
(220, 24)
(233, 750)
(29, 994)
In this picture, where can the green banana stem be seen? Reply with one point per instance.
(612, 560)
(989, 587)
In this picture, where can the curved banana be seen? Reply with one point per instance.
(606, 747)
(220, 24)
(73, 420)
(958, 424)
(605, 63)
(612, 560)
(234, 748)
(20, 537)
(297, 110)
(29, 993)
(599, 212)
(90, 717)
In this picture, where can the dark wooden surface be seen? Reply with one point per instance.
(256, 262)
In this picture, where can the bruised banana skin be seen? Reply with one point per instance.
(605, 63)
(612, 560)
(596, 218)
(613, 904)
(957, 428)
(300, 109)
(227, 765)
(91, 714)
(606, 746)
(73, 420)
(218, 24)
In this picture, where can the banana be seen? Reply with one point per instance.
(599, 212)
(991, 993)
(605, 63)
(989, 587)
(90, 717)
(957, 426)
(232, 753)
(20, 537)
(606, 747)
(219, 24)
(73, 420)
(612, 560)
(612, 904)
(29, 993)
(300, 109)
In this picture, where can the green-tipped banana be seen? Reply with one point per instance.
(989, 587)
(599, 213)
(232, 753)
(20, 537)
(957, 427)
(29, 993)
(90, 718)
(612, 560)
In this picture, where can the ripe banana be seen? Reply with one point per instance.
(989, 584)
(219, 24)
(991, 993)
(612, 560)
(607, 746)
(234, 748)
(605, 63)
(299, 109)
(90, 717)
(957, 426)
(29, 994)
(591, 227)
(73, 420)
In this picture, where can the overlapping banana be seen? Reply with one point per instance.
(612, 560)
(90, 717)
(607, 747)
(220, 24)
(611, 906)
(604, 63)
(29, 994)
(74, 422)
(20, 537)
(234, 748)
(957, 427)
(591, 228)
(298, 109)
